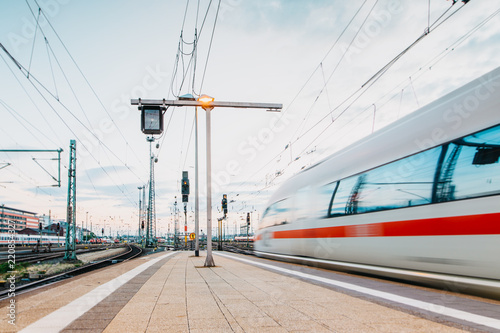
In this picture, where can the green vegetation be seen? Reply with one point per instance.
(5, 267)
(24, 269)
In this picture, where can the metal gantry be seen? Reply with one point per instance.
(70, 252)
(207, 103)
(58, 159)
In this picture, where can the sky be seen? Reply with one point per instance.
(85, 60)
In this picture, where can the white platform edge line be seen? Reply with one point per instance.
(434, 308)
(62, 317)
(420, 274)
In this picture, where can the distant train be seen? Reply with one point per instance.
(243, 238)
(418, 199)
(6, 239)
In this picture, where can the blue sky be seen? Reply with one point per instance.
(262, 51)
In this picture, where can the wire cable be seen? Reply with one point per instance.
(74, 134)
(31, 99)
(88, 83)
(209, 49)
(34, 40)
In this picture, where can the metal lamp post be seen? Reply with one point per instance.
(206, 105)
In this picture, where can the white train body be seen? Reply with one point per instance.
(422, 194)
(17, 239)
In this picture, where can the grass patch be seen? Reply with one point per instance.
(5, 267)
(24, 269)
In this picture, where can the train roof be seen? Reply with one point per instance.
(468, 109)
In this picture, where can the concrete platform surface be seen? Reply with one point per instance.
(173, 292)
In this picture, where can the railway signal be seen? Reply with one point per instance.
(224, 204)
(185, 186)
(248, 225)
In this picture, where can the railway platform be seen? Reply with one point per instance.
(173, 292)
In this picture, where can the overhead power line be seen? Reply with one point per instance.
(86, 80)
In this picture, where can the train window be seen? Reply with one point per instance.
(276, 214)
(342, 195)
(470, 167)
(302, 203)
(324, 198)
(403, 183)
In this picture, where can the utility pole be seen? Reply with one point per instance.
(152, 122)
(70, 250)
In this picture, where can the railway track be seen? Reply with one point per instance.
(237, 249)
(34, 257)
(133, 252)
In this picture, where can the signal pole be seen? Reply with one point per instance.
(185, 199)
(140, 211)
(176, 237)
(248, 226)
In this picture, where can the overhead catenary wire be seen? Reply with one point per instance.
(16, 115)
(35, 105)
(56, 97)
(427, 31)
(51, 67)
(189, 68)
(209, 49)
(339, 61)
(374, 78)
(34, 40)
(69, 128)
(49, 48)
(368, 84)
(70, 112)
(87, 82)
(306, 83)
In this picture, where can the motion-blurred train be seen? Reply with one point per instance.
(417, 200)
(6, 239)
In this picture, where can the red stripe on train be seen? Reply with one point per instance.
(483, 224)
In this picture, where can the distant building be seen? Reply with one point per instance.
(53, 228)
(28, 231)
(21, 219)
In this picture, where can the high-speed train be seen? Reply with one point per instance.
(418, 199)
